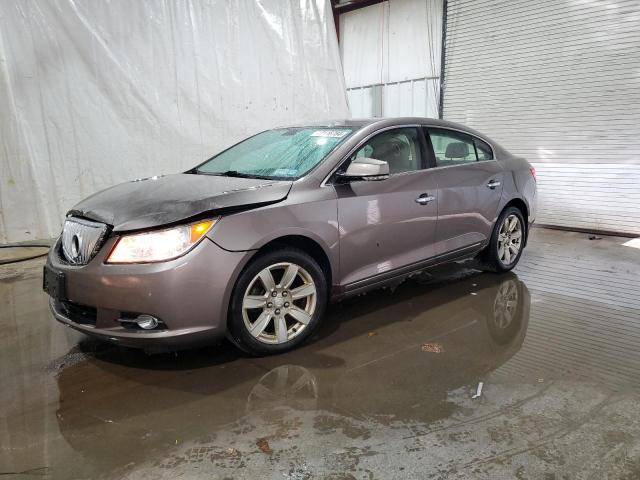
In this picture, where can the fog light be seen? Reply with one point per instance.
(147, 322)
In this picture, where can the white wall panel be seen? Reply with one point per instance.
(393, 51)
(415, 35)
(363, 36)
(411, 98)
(361, 102)
(95, 93)
(557, 82)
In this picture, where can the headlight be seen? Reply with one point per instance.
(159, 245)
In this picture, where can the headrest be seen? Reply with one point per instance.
(390, 148)
(457, 150)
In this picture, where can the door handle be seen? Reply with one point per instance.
(424, 199)
(493, 184)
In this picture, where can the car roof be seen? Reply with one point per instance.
(376, 123)
(383, 122)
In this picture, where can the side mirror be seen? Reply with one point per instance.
(368, 169)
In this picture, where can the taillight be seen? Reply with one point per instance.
(533, 173)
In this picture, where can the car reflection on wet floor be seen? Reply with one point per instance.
(384, 389)
(386, 374)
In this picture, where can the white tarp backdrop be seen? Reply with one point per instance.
(95, 93)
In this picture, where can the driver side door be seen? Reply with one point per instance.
(387, 224)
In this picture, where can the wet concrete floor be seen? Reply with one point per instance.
(384, 390)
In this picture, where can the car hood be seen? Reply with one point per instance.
(157, 201)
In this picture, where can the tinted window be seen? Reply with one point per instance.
(452, 148)
(400, 148)
(483, 150)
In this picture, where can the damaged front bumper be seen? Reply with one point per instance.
(189, 296)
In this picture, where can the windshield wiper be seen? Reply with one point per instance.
(234, 173)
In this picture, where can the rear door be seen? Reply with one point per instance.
(387, 224)
(469, 182)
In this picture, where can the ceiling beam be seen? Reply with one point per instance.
(349, 6)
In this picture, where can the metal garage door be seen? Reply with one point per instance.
(557, 82)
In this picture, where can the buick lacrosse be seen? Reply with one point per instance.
(253, 243)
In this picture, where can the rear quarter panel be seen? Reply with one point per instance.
(519, 183)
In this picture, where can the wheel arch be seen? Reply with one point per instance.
(521, 205)
(307, 245)
(299, 242)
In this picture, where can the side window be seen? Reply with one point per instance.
(452, 148)
(483, 150)
(400, 148)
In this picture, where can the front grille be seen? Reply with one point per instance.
(81, 314)
(81, 240)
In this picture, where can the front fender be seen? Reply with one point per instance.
(310, 214)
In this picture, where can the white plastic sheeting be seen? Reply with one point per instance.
(94, 93)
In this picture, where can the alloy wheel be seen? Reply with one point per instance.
(279, 303)
(509, 239)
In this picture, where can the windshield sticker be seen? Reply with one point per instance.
(285, 172)
(330, 133)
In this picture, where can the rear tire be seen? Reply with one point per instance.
(506, 243)
(277, 302)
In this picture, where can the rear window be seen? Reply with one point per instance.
(483, 149)
(452, 148)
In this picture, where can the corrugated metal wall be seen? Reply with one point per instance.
(557, 82)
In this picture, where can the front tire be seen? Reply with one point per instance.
(277, 302)
(507, 241)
